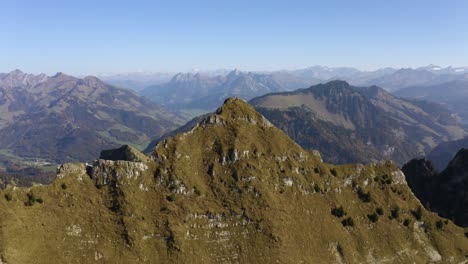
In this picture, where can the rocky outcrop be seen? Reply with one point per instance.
(233, 191)
(61, 118)
(125, 152)
(446, 192)
(350, 124)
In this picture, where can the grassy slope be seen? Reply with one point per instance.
(200, 202)
(377, 124)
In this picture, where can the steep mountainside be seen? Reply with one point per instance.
(202, 93)
(453, 95)
(234, 189)
(445, 192)
(358, 124)
(63, 118)
(445, 151)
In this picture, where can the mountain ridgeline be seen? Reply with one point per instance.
(445, 192)
(358, 124)
(62, 118)
(233, 189)
(203, 93)
(452, 94)
(441, 155)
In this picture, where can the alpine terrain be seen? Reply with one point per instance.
(441, 155)
(445, 192)
(60, 118)
(453, 95)
(234, 189)
(359, 124)
(201, 93)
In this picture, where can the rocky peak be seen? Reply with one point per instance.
(460, 161)
(419, 172)
(61, 75)
(16, 72)
(93, 81)
(17, 78)
(423, 167)
(444, 192)
(236, 108)
(230, 191)
(457, 169)
(125, 153)
(234, 74)
(184, 77)
(373, 91)
(338, 83)
(336, 87)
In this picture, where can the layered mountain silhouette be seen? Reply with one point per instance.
(390, 79)
(62, 118)
(453, 95)
(358, 124)
(234, 189)
(203, 93)
(445, 192)
(413, 77)
(441, 155)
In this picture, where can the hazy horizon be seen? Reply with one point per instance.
(194, 71)
(90, 37)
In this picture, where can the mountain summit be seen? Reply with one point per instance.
(198, 92)
(444, 192)
(358, 124)
(62, 118)
(233, 189)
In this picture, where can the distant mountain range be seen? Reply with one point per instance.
(354, 124)
(412, 127)
(202, 93)
(453, 94)
(61, 118)
(235, 189)
(136, 81)
(441, 155)
(390, 79)
(358, 124)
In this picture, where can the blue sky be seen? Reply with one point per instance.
(90, 37)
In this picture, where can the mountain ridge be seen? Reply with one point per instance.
(63, 118)
(327, 116)
(233, 189)
(444, 192)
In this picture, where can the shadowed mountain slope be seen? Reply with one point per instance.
(358, 124)
(234, 189)
(453, 95)
(446, 151)
(445, 192)
(63, 118)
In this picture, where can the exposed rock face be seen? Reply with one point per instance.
(234, 189)
(445, 192)
(125, 152)
(420, 173)
(66, 119)
(358, 124)
(195, 92)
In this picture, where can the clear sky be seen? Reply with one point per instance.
(91, 37)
